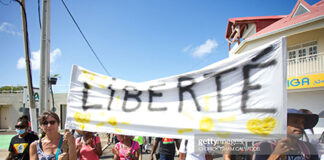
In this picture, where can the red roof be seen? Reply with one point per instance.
(261, 22)
(315, 10)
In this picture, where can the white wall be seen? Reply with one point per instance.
(14, 102)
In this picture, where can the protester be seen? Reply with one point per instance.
(167, 148)
(19, 144)
(309, 136)
(50, 146)
(147, 141)
(126, 148)
(188, 152)
(291, 147)
(29, 125)
(88, 146)
(157, 153)
(140, 141)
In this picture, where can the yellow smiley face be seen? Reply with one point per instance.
(261, 127)
(112, 121)
(82, 119)
(206, 124)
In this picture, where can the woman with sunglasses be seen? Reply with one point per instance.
(19, 145)
(50, 147)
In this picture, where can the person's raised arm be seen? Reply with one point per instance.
(97, 147)
(115, 152)
(71, 144)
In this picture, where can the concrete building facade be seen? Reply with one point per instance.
(13, 105)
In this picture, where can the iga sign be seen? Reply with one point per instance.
(241, 95)
(308, 81)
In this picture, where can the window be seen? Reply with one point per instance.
(292, 56)
(303, 52)
(313, 52)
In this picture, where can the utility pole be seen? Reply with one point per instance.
(45, 58)
(32, 108)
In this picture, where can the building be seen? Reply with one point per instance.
(14, 104)
(304, 32)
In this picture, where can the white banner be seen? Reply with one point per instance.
(242, 96)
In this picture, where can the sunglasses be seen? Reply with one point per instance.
(49, 122)
(20, 127)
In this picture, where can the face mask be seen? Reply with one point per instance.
(20, 131)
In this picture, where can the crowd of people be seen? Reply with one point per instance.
(299, 144)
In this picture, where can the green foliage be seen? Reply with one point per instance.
(11, 88)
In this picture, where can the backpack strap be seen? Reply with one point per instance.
(273, 144)
(303, 148)
(133, 144)
(59, 148)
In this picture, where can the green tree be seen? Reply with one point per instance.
(11, 88)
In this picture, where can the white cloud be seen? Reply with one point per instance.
(9, 28)
(205, 48)
(187, 48)
(21, 63)
(35, 59)
(56, 53)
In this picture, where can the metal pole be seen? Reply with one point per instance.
(32, 108)
(48, 60)
(44, 58)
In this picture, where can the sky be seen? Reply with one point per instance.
(136, 40)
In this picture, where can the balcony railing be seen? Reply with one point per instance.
(305, 65)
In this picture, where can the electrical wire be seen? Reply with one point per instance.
(39, 17)
(91, 48)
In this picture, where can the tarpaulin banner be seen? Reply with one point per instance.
(241, 96)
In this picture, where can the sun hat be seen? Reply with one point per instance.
(310, 119)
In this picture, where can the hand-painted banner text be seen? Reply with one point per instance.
(241, 95)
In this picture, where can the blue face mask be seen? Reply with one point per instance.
(20, 131)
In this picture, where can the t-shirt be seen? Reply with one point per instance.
(123, 152)
(167, 146)
(86, 151)
(266, 148)
(20, 146)
(138, 139)
(188, 147)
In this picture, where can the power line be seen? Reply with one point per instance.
(39, 18)
(85, 38)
